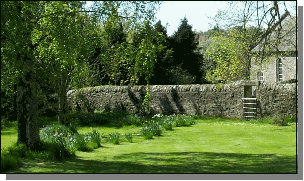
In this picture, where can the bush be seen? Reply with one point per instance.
(183, 120)
(50, 131)
(89, 119)
(156, 128)
(114, 138)
(81, 143)
(180, 122)
(292, 119)
(65, 140)
(168, 124)
(146, 132)
(129, 137)
(95, 137)
(5, 123)
(135, 120)
(279, 120)
(9, 161)
(57, 149)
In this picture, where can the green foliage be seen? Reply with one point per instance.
(82, 143)
(50, 131)
(5, 124)
(147, 133)
(10, 157)
(279, 120)
(88, 119)
(183, 120)
(135, 120)
(95, 137)
(65, 141)
(168, 124)
(146, 103)
(180, 76)
(156, 128)
(58, 148)
(230, 56)
(186, 55)
(129, 137)
(114, 138)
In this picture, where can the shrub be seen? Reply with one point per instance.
(180, 122)
(168, 124)
(50, 131)
(80, 142)
(64, 141)
(114, 138)
(17, 150)
(9, 161)
(57, 149)
(135, 120)
(183, 120)
(5, 123)
(129, 137)
(95, 137)
(292, 119)
(156, 128)
(88, 119)
(146, 132)
(279, 120)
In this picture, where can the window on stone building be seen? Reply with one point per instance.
(260, 76)
(279, 70)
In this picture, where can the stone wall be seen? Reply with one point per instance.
(214, 100)
(277, 98)
(210, 99)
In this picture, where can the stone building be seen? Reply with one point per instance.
(281, 66)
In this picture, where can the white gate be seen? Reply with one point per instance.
(249, 108)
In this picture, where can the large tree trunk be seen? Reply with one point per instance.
(63, 104)
(28, 121)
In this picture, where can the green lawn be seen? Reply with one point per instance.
(210, 146)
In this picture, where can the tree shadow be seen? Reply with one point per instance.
(177, 162)
(177, 101)
(136, 102)
(165, 105)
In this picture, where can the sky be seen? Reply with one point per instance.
(197, 13)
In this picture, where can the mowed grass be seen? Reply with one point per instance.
(210, 146)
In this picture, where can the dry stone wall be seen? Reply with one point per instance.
(209, 99)
(277, 98)
(213, 100)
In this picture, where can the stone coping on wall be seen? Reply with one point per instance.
(162, 88)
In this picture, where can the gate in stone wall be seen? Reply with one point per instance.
(250, 108)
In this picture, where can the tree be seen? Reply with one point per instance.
(164, 58)
(229, 56)
(256, 22)
(186, 50)
(44, 38)
(67, 42)
(17, 23)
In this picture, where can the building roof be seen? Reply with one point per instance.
(288, 34)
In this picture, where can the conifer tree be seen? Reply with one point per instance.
(185, 46)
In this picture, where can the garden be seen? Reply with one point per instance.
(104, 142)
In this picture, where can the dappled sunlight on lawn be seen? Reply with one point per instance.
(174, 162)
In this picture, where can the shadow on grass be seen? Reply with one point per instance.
(8, 132)
(178, 162)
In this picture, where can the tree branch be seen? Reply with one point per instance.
(270, 30)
